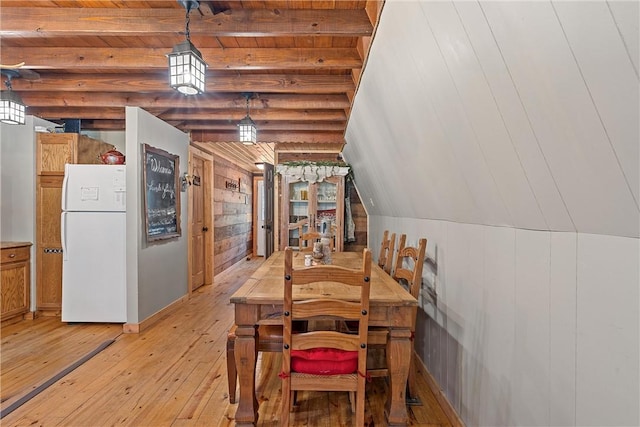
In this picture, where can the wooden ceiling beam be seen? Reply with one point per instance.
(55, 22)
(52, 58)
(117, 113)
(225, 126)
(142, 83)
(175, 100)
(270, 114)
(274, 136)
(273, 125)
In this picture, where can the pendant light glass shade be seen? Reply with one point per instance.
(247, 127)
(187, 70)
(248, 131)
(12, 109)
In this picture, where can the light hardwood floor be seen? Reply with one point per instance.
(172, 374)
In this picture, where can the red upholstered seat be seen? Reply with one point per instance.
(324, 361)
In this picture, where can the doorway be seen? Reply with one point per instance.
(263, 226)
(199, 185)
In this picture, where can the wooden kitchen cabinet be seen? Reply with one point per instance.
(53, 151)
(311, 204)
(15, 279)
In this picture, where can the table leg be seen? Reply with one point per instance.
(246, 357)
(398, 362)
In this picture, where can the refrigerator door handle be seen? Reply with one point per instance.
(63, 235)
(64, 186)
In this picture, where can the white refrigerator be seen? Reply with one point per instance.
(93, 244)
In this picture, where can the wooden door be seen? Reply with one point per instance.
(268, 200)
(198, 225)
(258, 216)
(200, 193)
(48, 245)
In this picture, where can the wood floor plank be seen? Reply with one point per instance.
(171, 374)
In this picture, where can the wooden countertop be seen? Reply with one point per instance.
(11, 245)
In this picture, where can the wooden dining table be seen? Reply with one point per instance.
(259, 301)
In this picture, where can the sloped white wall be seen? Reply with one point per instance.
(521, 114)
(507, 133)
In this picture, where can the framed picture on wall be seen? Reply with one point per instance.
(161, 194)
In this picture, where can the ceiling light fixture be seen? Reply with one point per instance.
(12, 108)
(187, 69)
(247, 127)
(260, 165)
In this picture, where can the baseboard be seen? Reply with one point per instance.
(136, 328)
(56, 312)
(446, 406)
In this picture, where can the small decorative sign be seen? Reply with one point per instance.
(196, 180)
(232, 185)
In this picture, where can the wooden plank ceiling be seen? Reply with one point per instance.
(301, 60)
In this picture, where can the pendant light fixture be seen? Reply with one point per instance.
(187, 69)
(12, 108)
(247, 127)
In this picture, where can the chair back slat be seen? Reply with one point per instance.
(328, 273)
(308, 239)
(326, 308)
(333, 339)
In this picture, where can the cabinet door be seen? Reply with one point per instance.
(53, 151)
(295, 213)
(328, 208)
(48, 245)
(15, 289)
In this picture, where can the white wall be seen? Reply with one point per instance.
(529, 327)
(18, 185)
(156, 272)
(507, 134)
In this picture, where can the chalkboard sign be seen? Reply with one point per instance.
(161, 194)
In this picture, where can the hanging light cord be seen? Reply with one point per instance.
(187, 24)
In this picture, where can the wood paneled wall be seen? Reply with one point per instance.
(233, 239)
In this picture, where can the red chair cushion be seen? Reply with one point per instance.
(324, 361)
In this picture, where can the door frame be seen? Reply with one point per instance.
(207, 184)
(256, 179)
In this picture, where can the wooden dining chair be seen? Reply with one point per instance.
(299, 226)
(385, 259)
(308, 239)
(408, 272)
(325, 360)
